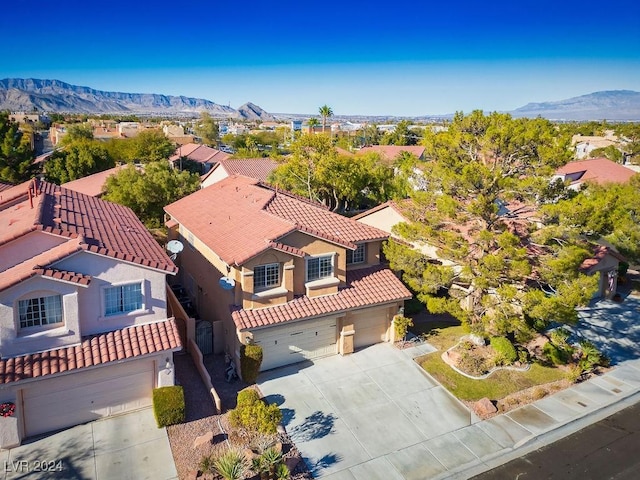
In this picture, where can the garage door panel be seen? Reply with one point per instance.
(370, 327)
(85, 396)
(287, 344)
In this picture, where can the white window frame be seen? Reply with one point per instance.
(319, 258)
(123, 311)
(360, 252)
(270, 281)
(23, 308)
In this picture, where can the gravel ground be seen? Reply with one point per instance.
(201, 418)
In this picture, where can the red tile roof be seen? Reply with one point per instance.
(391, 152)
(366, 287)
(5, 186)
(239, 217)
(92, 184)
(258, 168)
(87, 223)
(599, 170)
(600, 252)
(199, 153)
(94, 350)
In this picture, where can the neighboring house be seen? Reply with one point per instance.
(84, 327)
(92, 185)
(301, 281)
(604, 262)
(206, 156)
(390, 152)
(258, 168)
(584, 145)
(597, 170)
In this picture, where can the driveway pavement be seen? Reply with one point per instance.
(123, 447)
(376, 415)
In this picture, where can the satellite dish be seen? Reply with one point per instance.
(175, 246)
(227, 283)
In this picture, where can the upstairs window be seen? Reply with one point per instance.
(37, 312)
(319, 267)
(123, 298)
(357, 255)
(266, 276)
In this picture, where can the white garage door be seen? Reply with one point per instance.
(291, 343)
(85, 396)
(370, 327)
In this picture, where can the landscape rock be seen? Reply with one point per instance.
(485, 407)
(205, 439)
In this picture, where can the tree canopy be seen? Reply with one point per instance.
(149, 189)
(79, 157)
(494, 272)
(325, 112)
(207, 129)
(16, 155)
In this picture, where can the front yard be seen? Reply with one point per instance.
(506, 388)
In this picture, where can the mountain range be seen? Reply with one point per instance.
(17, 94)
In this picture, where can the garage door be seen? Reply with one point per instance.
(85, 396)
(370, 327)
(292, 343)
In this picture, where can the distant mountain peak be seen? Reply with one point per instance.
(622, 105)
(28, 94)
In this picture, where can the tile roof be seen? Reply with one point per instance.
(599, 170)
(239, 217)
(94, 350)
(390, 152)
(258, 168)
(5, 186)
(366, 287)
(81, 222)
(199, 153)
(92, 184)
(600, 252)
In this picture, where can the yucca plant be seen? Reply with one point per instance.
(282, 472)
(232, 465)
(271, 457)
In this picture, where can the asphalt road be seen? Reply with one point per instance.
(609, 449)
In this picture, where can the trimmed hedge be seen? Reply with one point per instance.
(505, 351)
(255, 415)
(168, 405)
(250, 361)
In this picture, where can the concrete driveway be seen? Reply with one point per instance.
(123, 447)
(373, 414)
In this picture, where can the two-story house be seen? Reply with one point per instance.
(84, 331)
(283, 272)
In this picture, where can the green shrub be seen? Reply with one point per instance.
(556, 355)
(560, 337)
(250, 361)
(401, 325)
(248, 396)
(168, 405)
(231, 465)
(505, 351)
(590, 356)
(282, 472)
(254, 415)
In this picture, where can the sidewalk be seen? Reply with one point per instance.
(540, 423)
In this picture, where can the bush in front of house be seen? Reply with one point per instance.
(401, 325)
(250, 361)
(254, 415)
(168, 405)
(506, 353)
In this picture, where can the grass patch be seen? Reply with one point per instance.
(441, 335)
(499, 385)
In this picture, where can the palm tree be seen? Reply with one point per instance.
(325, 112)
(313, 123)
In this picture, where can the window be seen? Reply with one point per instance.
(36, 312)
(357, 255)
(266, 276)
(319, 267)
(123, 298)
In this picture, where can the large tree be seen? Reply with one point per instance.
(207, 129)
(149, 189)
(16, 154)
(79, 157)
(491, 269)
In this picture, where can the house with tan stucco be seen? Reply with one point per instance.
(84, 327)
(271, 268)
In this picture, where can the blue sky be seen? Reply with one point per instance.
(404, 58)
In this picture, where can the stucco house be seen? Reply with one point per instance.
(204, 155)
(283, 272)
(258, 168)
(391, 152)
(596, 170)
(84, 327)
